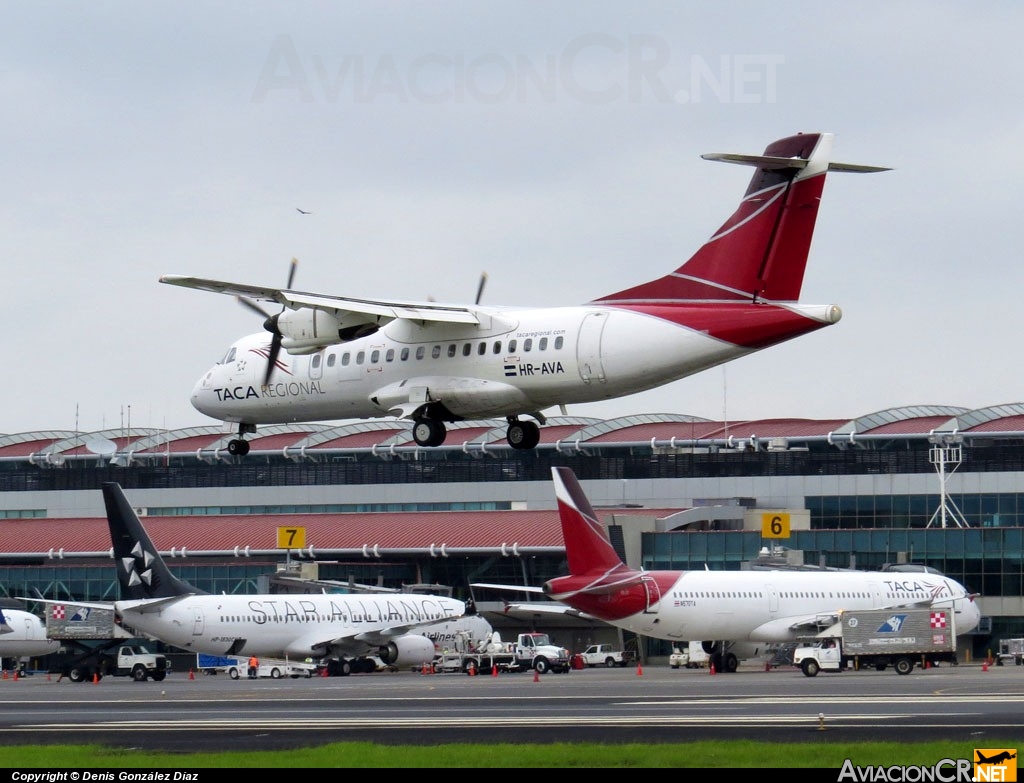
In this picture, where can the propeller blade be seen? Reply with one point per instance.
(480, 288)
(275, 349)
(291, 272)
(252, 306)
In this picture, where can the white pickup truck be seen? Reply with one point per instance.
(606, 655)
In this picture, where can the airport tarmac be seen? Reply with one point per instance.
(189, 712)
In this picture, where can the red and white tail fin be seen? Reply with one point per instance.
(586, 543)
(760, 253)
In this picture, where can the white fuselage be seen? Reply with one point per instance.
(27, 635)
(283, 626)
(777, 606)
(513, 362)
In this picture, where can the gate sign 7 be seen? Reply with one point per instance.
(291, 538)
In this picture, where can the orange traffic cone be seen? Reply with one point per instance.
(15, 675)
(711, 669)
(5, 674)
(423, 669)
(95, 677)
(639, 669)
(984, 666)
(536, 676)
(494, 671)
(191, 674)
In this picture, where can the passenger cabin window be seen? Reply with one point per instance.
(452, 350)
(390, 355)
(558, 343)
(420, 352)
(331, 360)
(375, 356)
(315, 362)
(345, 359)
(497, 346)
(435, 352)
(467, 349)
(405, 354)
(527, 344)
(512, 346)
(543, 344)
(481, 349)
(360, 357)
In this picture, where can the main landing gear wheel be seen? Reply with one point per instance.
(522, 434)
(238, 447)
(428, 432)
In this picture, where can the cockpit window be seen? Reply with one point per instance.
(229, 356)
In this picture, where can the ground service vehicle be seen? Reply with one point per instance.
(236, 667)
(1010, 650)
(86, 663)
(529, 651)
(88, 635)
(690, 656)
(879, 638)
(606, 655)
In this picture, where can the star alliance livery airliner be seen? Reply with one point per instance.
(396, 627)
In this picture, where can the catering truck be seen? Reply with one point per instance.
(88, 637)
(879, 638)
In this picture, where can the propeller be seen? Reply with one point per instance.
(270, 324)
(480, 288)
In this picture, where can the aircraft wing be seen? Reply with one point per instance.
(141, 605)
(789, 627)
(381, 310)
(361, 643)
(530, 609)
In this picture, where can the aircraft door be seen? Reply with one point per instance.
(198, 624)
(588, 347)
(653, 595)
(30, 630)
(773, 600)
(316, 366)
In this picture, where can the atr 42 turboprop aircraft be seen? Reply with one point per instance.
(736, 613)
(435, 363)
(396, 627)
(23, 633)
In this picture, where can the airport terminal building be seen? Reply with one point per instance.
(330, 506)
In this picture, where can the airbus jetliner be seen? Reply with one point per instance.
(736, 613)
(397, 627)
(23, 634)
(433, 363)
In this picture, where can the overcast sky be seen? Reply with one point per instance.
(555, 146)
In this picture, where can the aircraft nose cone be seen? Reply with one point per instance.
(202, 396)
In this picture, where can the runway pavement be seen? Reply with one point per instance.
(637, 704)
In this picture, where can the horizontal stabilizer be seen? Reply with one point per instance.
(773, 163)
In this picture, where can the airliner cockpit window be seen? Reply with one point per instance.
(229, 356)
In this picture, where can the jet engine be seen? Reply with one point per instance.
(409, 650)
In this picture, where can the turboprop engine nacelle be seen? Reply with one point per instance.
(308, 330)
